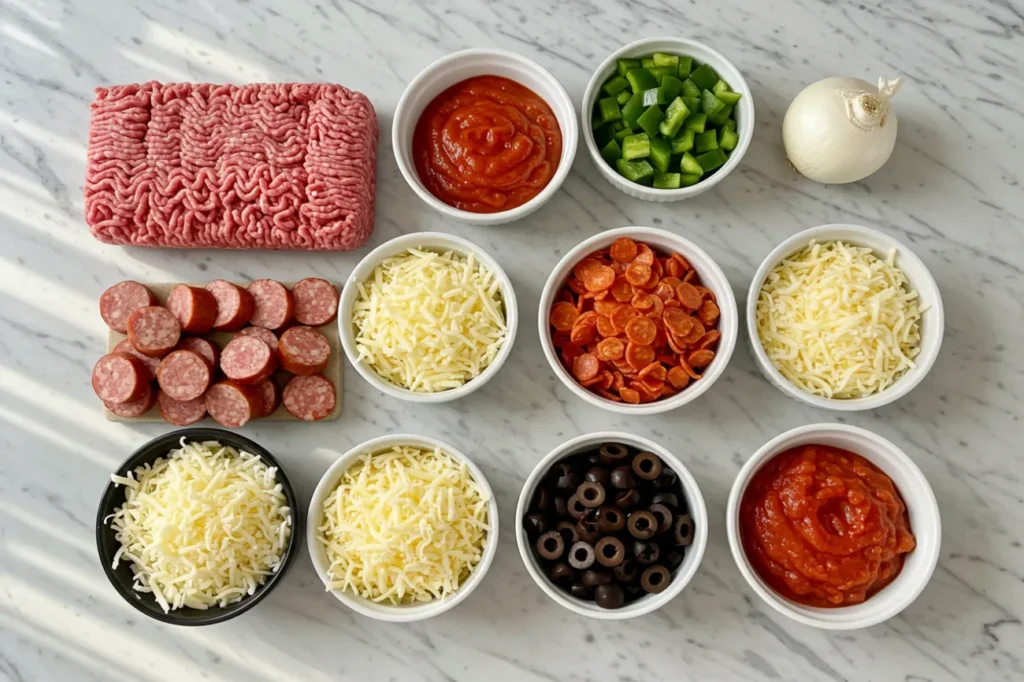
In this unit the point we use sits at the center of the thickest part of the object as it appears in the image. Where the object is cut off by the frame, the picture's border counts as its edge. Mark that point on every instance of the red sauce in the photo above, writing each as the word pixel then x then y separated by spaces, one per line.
pixel 487 144
pixel 824 526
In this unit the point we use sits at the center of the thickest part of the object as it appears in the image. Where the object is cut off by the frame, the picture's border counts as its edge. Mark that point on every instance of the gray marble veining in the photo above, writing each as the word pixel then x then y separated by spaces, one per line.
pixel 951 190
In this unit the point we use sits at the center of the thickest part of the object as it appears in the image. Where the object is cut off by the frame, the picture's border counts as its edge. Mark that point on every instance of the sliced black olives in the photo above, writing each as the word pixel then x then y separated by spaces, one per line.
pixel 609 525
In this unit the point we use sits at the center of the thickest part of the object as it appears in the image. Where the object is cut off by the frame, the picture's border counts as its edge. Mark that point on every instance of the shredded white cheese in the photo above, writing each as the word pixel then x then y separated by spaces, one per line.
pixel 203 526
pixel 838 321
pixel 429 321
pixel 405 525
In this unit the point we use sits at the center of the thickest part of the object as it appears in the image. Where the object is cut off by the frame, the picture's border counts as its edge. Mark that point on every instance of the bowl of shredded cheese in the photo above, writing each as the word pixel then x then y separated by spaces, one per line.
pixel 197 526
pixel 428 317
pixel 402 528
pixel 844 317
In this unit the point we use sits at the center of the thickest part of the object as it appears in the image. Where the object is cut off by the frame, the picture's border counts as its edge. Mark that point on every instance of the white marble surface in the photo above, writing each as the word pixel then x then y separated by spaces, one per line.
pixel 952 191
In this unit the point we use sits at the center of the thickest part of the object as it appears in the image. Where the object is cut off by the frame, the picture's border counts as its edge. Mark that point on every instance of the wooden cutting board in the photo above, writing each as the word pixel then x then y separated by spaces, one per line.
pixel 333 372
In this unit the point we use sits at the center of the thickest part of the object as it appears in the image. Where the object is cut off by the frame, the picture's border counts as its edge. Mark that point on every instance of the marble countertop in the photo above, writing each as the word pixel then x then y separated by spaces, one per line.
pixel 951 191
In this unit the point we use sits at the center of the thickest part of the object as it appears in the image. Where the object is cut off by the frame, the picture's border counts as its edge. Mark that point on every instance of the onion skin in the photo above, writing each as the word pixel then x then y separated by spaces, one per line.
pixel 826 142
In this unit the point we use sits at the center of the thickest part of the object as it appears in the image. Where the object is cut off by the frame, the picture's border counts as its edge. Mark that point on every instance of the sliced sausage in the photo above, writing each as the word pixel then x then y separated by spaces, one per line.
pixel 303 350
pixel 232 404
pixel 195 308
pixel 234 305
pixel 208 351
pixel 135 408
pixel 247 360
pixel 119 378
pixel 263 334
pixel 121 300
pixel 270 394
pixel 180 412
pixel 184 375
pixel 316 301
pixel 153 331
pixel 273 303
pixel 309 397
pixel 150 363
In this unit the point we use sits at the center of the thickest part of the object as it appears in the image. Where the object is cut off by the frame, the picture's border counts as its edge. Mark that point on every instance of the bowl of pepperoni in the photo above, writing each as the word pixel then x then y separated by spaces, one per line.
pixel 638 320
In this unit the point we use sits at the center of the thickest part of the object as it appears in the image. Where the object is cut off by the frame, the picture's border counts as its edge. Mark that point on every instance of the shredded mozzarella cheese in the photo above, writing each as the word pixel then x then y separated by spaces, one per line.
pixel 405 525
pixel 838 321
pixel 429 321
pixel 203 526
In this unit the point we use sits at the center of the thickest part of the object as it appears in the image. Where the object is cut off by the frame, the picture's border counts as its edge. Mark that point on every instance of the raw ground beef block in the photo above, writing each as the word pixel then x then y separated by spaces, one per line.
pixel 262 166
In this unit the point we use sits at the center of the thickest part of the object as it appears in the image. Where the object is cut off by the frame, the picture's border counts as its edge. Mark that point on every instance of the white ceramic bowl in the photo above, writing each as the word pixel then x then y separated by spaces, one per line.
pixel 680 577
pixel 701 53
pixel 457 67
pixel 921 506
pixel 434 241
pixel 711 276
pixel 385 611
pixel 920 278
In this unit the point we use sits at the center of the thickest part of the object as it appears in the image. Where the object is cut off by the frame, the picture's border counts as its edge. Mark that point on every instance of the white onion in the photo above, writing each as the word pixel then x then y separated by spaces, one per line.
pixel 841 129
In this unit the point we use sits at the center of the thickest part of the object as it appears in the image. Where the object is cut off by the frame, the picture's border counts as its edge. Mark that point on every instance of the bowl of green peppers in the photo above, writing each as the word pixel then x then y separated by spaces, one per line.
pixel 667 118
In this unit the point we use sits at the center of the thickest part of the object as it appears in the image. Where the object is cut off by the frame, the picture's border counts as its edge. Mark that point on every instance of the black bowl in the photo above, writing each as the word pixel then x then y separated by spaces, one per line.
pixel 122 578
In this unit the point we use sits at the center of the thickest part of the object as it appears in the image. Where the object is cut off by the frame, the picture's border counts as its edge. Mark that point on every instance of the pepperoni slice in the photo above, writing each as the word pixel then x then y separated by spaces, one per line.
pixel 708 312
pixel 134 408
pixel 153 331
pixel 652 281
pixel 678 378
pixel 584 267
pixel 600 278
pixel 695 333
pixel 622 290
pixel 586 367
pixel 563 315
pixel 606 307
pixel 638 274
pixel 576 286
pixel 121 300
pixel 644 255
pixel 605 327
pixel 687 368
pixel 623 250
pixel 618 382
pixel 621 317
pixel 629 395
pixel 639 356
pixel 119 378
pixel 611 348
pixel 677 321
pixel 641 330
pixel 180 413
pixel 673 268
pixel 609 396
pixel 570 352
pixel 701 358
pixel 706 293
pixel 273 304
pixel 682 261
pixel 708 340
pixel 677 344
pixel 583 332
pixel 659 307
pixel 655 370
pixel 665 291
pixel 183 375
pixel 642 301
pixel 690 276
pixel 316 302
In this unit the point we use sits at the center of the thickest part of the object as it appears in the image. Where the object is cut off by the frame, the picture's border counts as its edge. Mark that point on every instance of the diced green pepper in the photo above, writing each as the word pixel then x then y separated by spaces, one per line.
pixel 636 147
pixel 647 63
pixel 617 125
pixel 693 104
pixel 659 73
pixel 614 86
pixel 640 80
pixel 632 109
pixel 623 97
pixel 650 119
pixel 683 142
pixel 710 104
pixel 667 180
pixel 690 89
pixel 611 152
pixel 720 86
pixel 674 117
pixel 651 96
pixel 669 89
pixel 685 66
pixel 661 153
pixel 706 141
pixel 729 138
pixel 664 59
pixel 689 166
pixel 609 109
pixel 603 134
pixel 688 180
pixel 729 97
pixel 721 117
pixel 696 123
pixel 635 171
pixel 709 161
pixel 621 135
pixel 704 77
pixel 622 66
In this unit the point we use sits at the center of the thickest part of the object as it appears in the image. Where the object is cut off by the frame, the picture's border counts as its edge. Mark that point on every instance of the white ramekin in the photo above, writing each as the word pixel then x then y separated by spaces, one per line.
pixel 436 241
pixel 682 575
pixel 711 276
pixel 921 506
pixel 701 53
pixel 457 67
pixel 385 611
pixel 921 280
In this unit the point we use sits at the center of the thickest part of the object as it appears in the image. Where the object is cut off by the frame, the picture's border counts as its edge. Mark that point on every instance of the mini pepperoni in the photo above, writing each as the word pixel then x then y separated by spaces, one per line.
pixel 708 312
pixel 677 344
pixel 658 267
pixel 618 382
pixel 270 395
pixel 605 327
pixel 563 315
pixel 576 286
pixel 667 391
pixel 570 352
pixel 677 321
pixel 644 255
pixel 672 282
pixel 623 250
pixel 247 360
pixel 701 358
pixel 674 269
pixel 658 309
pixel 596 295
pixel 150 363
pixel 583 332
pixel 664 291
pixel 622 290
pixel 119 378
pixel 609 396
pixel 600 278
pixel 586 367
pixel 639 356
pixel 695 333
pixel 134 408
pixel 630 395
pixel 584 267
pixel 303 350
pixel 121 300
pixel 638 273
pixel 316 302
pixel 623 315
pixel 606 380
pixel 690 276
pixel 263 334
pixel 708 340
pixel 611 348
pixel 660 338
pixel 559 339
pixel 706 293
pixel 591 382
pixel 153 331
pixel 606 307
pixel 565 296
pixel 234 305
pixel 642 301
pixel 184 375
pixel 655 370
pixel 678 377
pixel 195 308
pixel 641 330
pixel 682 261
pixel 652 282
pixel 178 412
pixel 273 304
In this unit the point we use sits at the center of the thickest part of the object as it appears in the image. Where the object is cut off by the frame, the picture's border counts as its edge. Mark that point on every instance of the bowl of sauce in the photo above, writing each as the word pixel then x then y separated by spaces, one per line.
pixel 834 526
pixel 485 136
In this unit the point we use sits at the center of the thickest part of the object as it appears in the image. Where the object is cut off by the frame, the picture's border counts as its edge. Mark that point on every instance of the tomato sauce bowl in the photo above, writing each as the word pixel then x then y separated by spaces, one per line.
pixel 921 508
pixel 531 82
